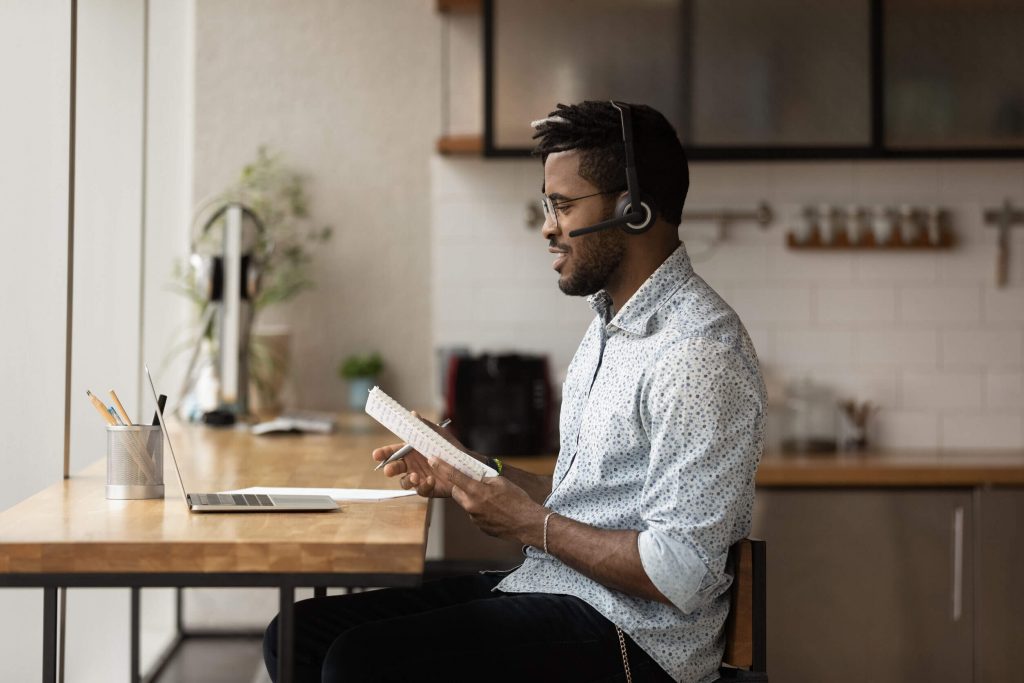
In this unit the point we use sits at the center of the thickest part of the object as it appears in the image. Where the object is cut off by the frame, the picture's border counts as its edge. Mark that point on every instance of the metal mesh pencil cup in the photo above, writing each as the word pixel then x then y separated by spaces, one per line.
pixel 135 462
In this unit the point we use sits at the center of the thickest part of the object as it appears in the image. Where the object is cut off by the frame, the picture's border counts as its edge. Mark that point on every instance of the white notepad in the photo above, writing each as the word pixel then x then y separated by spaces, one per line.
pixel 408 427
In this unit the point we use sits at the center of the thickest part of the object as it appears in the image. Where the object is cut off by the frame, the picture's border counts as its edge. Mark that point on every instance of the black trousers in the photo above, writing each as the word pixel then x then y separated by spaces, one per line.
pixel 456 630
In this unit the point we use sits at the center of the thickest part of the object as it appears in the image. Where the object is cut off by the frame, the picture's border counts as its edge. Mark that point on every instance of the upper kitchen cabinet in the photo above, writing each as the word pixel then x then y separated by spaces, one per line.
pixel 543 52
pixel 954 74
pixel 782 73
pixel 775 79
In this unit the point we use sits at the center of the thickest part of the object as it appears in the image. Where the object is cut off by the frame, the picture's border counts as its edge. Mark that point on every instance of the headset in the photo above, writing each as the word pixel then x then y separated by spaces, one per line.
pixel 208 269
pixel 633 221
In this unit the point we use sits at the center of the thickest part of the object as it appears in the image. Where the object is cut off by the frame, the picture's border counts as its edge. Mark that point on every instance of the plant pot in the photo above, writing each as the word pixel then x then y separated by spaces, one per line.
pixel 268 368
pixel 358 390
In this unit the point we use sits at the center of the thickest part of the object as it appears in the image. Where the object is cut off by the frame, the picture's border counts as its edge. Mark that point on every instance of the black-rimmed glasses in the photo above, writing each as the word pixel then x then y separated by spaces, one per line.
pixel 552 207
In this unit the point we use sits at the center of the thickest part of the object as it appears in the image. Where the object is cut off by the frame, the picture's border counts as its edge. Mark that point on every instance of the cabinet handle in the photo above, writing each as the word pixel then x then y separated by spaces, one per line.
pixel 958 562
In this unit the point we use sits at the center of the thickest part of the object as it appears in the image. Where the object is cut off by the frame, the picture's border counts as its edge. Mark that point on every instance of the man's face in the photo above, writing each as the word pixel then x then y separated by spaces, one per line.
pixel 584 263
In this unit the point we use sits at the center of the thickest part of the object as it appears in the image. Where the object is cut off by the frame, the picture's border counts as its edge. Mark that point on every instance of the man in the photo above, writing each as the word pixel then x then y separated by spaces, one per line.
pixel 661 431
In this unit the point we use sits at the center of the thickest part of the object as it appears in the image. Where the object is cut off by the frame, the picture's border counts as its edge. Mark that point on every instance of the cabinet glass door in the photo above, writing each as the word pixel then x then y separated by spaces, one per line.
pixel 568 51
pixel 954 74
pixel 783 73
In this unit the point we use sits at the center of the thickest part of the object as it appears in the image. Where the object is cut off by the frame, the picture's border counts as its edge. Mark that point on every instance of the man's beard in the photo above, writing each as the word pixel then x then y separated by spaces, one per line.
pixel 595 261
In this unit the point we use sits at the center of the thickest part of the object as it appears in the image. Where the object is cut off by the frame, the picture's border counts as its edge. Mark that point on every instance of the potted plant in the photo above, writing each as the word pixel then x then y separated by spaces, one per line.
pixel 360 371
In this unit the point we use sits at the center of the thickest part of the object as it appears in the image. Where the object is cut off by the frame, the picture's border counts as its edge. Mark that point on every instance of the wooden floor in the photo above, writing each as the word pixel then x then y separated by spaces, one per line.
pixel 217 661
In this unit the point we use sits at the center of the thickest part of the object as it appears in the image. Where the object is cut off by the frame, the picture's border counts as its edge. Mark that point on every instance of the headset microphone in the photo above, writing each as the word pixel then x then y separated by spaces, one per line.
pixel 632 221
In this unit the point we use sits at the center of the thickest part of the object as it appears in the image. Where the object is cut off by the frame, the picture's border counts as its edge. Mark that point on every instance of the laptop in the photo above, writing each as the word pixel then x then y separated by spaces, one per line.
pixel 239 502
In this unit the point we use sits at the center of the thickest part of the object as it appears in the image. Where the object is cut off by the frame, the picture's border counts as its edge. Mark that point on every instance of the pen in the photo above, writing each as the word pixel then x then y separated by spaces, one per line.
pixel 404 450
pixel 117 418
pixel 120 408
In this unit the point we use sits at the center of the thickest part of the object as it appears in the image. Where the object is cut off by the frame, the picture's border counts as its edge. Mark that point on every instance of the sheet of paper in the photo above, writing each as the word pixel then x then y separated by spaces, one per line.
pixel 336 494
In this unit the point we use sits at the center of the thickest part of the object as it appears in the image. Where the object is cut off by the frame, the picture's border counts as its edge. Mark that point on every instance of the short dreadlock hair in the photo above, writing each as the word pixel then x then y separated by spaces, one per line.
pixel 595 129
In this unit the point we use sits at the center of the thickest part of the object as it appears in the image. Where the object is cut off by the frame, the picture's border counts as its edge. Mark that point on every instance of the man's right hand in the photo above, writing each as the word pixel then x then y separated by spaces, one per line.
pixel 414 469
pixel 415 472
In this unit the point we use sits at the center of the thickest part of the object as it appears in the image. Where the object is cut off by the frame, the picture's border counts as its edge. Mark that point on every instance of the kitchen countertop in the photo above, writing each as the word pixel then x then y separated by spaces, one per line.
pixel 887 468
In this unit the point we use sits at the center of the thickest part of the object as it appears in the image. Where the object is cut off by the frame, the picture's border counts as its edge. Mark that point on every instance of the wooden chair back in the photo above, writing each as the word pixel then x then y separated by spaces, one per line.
pixel 745 628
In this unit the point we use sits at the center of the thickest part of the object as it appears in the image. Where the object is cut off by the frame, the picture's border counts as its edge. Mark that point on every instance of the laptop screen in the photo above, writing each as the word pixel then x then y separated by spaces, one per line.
pixel 163 428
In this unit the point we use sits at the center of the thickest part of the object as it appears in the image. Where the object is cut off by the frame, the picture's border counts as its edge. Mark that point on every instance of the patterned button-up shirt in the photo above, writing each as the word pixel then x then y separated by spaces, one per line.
pixel 661 431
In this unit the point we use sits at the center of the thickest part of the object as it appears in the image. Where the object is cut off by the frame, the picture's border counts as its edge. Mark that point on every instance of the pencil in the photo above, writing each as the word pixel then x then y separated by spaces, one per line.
pixel 100 408
pixel 136 450
pixel 120 408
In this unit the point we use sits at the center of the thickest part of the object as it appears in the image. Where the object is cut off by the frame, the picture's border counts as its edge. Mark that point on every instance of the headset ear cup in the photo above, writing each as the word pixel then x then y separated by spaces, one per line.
pixel 623 207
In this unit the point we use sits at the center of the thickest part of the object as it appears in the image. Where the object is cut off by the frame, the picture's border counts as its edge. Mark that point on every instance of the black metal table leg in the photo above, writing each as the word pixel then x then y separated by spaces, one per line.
pixel 320 591
pixel 136 670
pixel 286 636
pixel 50 634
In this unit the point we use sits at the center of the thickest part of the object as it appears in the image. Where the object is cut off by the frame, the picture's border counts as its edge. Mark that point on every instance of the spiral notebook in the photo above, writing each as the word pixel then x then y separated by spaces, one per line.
pixel 410 429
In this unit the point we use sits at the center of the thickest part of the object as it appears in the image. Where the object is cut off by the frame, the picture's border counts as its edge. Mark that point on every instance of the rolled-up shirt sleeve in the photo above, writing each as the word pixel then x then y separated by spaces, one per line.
pixel 704 415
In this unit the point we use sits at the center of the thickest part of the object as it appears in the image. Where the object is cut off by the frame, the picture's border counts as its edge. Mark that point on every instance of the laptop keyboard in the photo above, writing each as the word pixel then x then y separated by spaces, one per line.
pixel 240 499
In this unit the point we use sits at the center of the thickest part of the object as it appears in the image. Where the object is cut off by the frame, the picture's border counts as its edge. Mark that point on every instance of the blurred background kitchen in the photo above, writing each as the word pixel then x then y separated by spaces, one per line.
pixel 856 194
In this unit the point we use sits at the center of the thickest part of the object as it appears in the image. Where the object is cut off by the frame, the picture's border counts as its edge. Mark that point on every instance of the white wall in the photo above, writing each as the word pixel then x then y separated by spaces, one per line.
pixel 925 335
pixel 108 273
pixel 349 93
pixel 34 58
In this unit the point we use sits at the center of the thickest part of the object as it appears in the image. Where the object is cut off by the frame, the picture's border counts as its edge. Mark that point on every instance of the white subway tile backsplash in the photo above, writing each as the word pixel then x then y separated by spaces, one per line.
pixel 459 304
pixel 810 267
pixel 925 335
pixel 982 431
pixel 942 391
pixel 1004 391
pixel 982 348
pixel 880 267
pixel 981 181
pixel 732 264
pixel 880 387
pixel 896 183
pixel 971 262
pixel 898 347
pixel 772 304
pixel 814 183
pixel 714 183
pixel 906 429
pixel 940 304
pixel 809 346
pixel 478 179
pixel 855 305
pixel 1005 305
pixel 537 304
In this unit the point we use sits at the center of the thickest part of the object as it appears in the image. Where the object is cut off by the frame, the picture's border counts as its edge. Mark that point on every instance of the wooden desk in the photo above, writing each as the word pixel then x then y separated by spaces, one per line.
pixel 70 535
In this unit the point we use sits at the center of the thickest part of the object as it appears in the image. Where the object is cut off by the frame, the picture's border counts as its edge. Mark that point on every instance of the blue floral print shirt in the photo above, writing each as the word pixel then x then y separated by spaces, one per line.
pixel 661 431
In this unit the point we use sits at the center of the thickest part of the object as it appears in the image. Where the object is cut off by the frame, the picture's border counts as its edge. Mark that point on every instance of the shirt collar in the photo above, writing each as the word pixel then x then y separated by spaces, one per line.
pixel 634 317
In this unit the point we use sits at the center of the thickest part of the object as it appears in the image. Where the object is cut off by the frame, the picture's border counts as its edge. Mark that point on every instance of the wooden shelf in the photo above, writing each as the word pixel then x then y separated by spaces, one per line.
pixel 461 144
pixel 868 243
pixel 460 6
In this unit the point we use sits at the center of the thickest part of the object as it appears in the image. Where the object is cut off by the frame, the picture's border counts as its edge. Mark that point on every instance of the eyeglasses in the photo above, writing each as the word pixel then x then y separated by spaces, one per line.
pixel 552 208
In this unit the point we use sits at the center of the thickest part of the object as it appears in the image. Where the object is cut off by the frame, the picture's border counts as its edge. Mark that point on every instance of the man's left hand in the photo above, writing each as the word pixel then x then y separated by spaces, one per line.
pixel 496 505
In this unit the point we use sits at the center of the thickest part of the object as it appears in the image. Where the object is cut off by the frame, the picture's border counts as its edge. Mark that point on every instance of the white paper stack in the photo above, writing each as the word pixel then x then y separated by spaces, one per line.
pixel 410 429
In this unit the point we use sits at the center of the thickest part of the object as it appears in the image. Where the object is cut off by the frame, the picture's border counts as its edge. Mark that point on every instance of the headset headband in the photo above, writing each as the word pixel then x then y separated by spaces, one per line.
pixel 636 213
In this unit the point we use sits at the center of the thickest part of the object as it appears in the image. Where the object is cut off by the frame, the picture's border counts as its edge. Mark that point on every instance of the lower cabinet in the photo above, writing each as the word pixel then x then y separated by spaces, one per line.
pixel 999 585
pixel 869 585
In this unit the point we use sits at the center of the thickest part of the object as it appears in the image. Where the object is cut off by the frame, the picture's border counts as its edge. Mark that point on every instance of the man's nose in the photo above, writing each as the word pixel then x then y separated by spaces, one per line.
pixel 550 228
